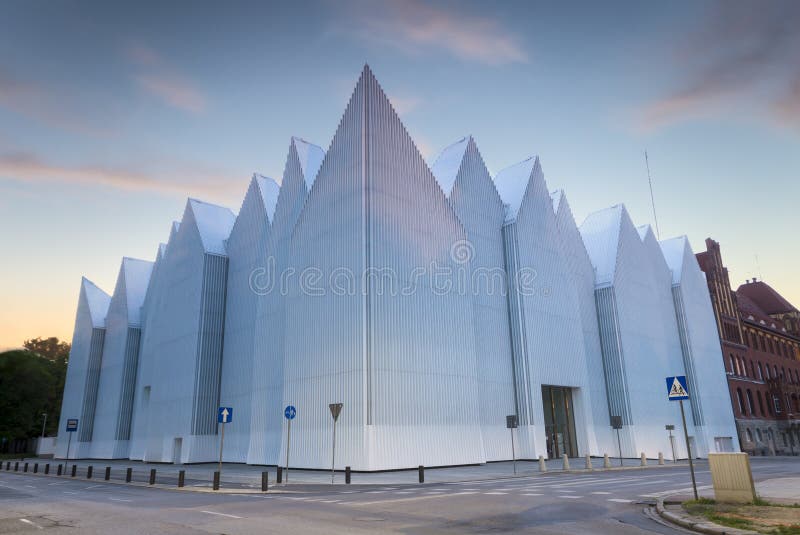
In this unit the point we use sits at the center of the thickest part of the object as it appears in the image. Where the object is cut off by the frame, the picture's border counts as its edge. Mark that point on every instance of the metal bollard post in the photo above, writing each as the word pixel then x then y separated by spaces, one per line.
pixel 74 470
pixel 25 468
pixel 59 470
pixel 660 458
pixel 588 462
pixel 47 469
pixel 565 462
pixel 606 461
pixel 216 481
pixel 182 478
pixel 347 475
pixel 280 475
pixel 16 466
pixel 128 475
pixel 264 481
pixel 644 459
pixel 89 472
pixel 8 466
pixel 35 468
pixel 152 476
pixel 108 473
pixel 542 464
pixel 421 474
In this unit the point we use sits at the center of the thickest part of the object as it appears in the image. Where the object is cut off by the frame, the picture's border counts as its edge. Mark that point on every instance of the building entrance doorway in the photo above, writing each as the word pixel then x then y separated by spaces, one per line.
pixel 559 421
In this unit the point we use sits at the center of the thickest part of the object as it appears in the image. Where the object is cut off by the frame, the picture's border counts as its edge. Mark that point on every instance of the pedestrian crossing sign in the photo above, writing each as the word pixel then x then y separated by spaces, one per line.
pixel 676 388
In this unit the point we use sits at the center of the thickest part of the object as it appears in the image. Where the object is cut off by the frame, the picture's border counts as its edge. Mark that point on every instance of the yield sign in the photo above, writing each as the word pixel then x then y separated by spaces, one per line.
pixel 335 408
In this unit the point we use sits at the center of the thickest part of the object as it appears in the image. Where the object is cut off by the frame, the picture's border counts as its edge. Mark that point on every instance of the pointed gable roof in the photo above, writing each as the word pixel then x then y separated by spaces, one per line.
pixel 214 224
pixel 512 183
pixel 137 277
pixel 600 232
pixel 97 302
pixel 448 163
pixel 765 297
pixel 310 157
pixel 674 251
pixel 556 197
pixel 269 190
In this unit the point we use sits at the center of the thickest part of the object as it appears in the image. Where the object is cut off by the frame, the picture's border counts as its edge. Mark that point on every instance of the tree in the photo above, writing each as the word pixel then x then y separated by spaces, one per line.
pixel 50 348
pixel 30 385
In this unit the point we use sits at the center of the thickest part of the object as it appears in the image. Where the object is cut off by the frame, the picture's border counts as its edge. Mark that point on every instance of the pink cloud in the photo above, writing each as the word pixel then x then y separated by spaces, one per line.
pixel 162 80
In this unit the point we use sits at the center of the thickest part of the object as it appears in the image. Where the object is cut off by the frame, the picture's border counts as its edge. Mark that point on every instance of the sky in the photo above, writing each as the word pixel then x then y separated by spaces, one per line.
pixel 112 113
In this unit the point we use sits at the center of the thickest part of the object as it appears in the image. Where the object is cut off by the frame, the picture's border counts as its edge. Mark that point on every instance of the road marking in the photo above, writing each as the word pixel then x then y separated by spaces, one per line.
pixel 119 499
pixel 330 501
pixel 600 492
pixel 31 523
pixel 30 486
pixel 620 500
pixel 495 493
pixel 95 487
pixel 69 492
pixel 530 494
pixel 571 497
pixel 220 514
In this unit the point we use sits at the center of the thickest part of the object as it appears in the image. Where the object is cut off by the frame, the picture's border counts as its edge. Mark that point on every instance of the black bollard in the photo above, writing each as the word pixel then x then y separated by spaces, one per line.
pixel 181 478
pixel 215 485
pixel 89 472
pixel 129 475
pixel 152 476
pixel 264 481
pixel 74 470
pixel 280 475
pixel 347 475
pixel 108 473
pixel 47 469
pixel 59 470
pixel 35 468
pixel 25 468
pixel 8 466
pixel 16 466
pixel 421 474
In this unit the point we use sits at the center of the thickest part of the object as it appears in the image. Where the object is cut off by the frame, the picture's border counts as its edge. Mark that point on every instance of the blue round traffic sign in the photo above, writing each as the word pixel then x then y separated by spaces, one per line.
pixel 290 412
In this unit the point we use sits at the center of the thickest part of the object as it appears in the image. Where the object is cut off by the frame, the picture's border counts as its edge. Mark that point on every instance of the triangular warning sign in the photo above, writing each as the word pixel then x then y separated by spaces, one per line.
pixel 677 388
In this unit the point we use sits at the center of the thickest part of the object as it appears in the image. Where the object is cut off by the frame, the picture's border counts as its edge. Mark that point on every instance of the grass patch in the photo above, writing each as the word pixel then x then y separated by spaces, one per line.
pixel 760 516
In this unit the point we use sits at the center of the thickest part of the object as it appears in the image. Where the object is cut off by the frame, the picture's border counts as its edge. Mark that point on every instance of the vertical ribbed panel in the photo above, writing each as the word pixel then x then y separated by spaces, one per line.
pixel 688 358
pixel 613 358
pixel 209 345
pixel 130 367
pixel 86 426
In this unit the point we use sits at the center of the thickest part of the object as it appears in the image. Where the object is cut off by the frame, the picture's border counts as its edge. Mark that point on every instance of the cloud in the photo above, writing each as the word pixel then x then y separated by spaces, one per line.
pixel 744 54
pixel 30 168
pixel 161 79
pixel 42 103
pixel 413 26
pixel 404 104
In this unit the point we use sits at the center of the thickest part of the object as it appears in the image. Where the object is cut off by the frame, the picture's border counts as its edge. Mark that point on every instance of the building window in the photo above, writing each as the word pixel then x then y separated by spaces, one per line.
pixel 733 368
pixel 739 399
pixel 760 372
pixel 749 435
pixel 777 402
pixel 759 435
pixel 775 371
pixel 763 345
pixel 760 403
pixel 771 347
pixel 750 402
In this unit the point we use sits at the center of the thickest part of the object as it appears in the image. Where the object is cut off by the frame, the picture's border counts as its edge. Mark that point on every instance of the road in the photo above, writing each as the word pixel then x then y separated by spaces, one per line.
pixel 592 502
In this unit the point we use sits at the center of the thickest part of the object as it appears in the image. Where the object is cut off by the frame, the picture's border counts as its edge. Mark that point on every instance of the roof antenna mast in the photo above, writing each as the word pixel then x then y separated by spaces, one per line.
pixel 652 199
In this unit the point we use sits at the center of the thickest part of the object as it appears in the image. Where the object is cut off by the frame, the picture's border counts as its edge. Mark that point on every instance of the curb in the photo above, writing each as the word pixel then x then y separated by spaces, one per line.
pixel 701 526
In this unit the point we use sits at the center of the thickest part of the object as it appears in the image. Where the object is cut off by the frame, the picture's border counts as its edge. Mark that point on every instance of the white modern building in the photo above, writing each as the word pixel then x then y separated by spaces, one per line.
pixel 431 301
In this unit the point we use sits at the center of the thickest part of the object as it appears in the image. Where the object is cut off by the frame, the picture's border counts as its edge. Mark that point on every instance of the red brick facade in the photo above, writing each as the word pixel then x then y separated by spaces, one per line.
pixel 760 338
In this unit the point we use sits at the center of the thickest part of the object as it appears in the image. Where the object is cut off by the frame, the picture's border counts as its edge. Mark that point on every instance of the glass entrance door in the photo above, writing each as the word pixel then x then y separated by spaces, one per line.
pixel 559 421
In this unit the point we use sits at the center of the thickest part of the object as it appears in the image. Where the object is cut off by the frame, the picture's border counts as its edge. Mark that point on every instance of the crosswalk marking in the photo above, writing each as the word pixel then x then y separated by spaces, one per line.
pixel 620 500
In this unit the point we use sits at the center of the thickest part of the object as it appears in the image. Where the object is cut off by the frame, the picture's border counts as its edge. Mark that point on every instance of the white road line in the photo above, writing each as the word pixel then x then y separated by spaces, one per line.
pixel 220 514
pixel 30 486
pixel 600 492
pixel 95 487
pixel 495 493
pixel 620 500
pixel 571 497
pixel 529 494
pixel 119 499
pixel 31 523
pixel 69 492
pixel 330 501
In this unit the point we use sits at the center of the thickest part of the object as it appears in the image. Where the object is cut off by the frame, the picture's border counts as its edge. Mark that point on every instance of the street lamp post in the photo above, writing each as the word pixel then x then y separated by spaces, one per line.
pixel 44 424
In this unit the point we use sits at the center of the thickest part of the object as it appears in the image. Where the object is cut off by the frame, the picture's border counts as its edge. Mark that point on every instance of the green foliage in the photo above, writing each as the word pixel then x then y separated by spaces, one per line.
pixel 50 348
pixel 30 385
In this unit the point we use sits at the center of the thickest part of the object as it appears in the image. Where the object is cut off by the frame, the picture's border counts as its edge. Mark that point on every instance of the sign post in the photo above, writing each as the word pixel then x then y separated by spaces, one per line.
pixel 72 426
pixel 512 423
pixel 335 408
pixel 678 391
pixel 671 428
pixel 224 415
pixel 290 412
pixel 616 423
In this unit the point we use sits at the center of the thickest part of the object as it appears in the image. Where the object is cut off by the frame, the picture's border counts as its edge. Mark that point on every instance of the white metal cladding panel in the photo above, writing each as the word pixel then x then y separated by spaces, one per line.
pixel 582 273
pixel 553 323
pixel 711 386
pixel 649 337
pixel 209 345
pixel 86 428
pixel 519 345
pixel 244 247
pixel 268 355
pixel 423 384
pixel 479 208
pixel 75 383
pixel 128 383
pixel 111 371
pixel 324 351
pixel 171 345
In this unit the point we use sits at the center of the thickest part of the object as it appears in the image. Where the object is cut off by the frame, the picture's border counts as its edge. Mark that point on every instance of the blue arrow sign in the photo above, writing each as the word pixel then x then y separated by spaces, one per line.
pixel 676 388
pixel 72 425
pixel 225 415
pixel 290 412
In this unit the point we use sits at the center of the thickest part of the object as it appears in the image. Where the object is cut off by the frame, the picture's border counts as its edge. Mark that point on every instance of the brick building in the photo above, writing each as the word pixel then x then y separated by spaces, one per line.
pixel 759 332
